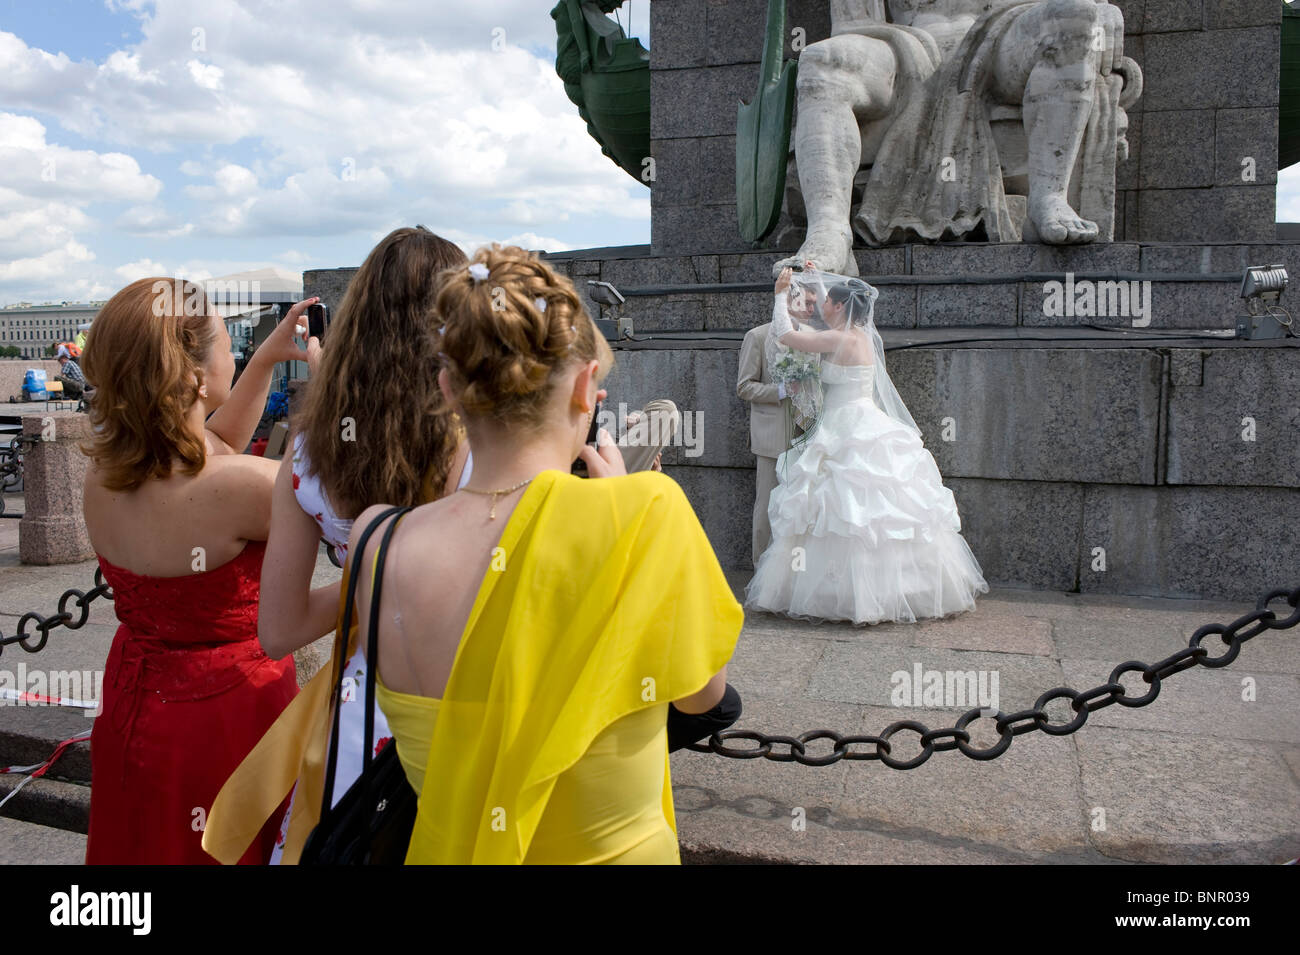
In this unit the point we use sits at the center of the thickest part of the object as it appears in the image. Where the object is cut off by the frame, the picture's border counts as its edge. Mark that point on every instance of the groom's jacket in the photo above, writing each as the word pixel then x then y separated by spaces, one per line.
pixel 770 427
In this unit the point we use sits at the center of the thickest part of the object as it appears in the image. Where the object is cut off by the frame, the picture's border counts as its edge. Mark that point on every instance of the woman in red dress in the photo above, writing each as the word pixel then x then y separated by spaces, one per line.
pixel 178 518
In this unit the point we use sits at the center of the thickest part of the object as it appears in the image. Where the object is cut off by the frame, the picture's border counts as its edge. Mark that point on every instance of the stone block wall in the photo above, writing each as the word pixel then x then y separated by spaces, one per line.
pixel 1056 456
pixel 1193 285
pixel 1206 123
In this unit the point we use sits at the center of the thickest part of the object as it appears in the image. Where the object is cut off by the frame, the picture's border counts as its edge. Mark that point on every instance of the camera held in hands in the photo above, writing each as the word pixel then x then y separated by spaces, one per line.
pixel 580 466
pixel 318 319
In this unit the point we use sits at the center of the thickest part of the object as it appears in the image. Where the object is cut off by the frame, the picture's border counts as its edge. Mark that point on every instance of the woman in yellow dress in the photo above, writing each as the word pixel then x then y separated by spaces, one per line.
pixel 534 626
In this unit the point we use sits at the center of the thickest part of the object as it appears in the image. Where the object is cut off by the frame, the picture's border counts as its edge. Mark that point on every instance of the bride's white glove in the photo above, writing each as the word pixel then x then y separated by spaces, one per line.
pixel 781 322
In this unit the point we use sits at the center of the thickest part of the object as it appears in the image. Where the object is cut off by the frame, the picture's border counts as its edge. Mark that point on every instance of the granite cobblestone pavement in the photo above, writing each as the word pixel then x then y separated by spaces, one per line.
pixel 1208 773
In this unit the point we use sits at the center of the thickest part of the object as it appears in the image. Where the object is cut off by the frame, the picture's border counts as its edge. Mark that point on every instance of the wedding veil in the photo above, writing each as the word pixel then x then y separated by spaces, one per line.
pixel 839 303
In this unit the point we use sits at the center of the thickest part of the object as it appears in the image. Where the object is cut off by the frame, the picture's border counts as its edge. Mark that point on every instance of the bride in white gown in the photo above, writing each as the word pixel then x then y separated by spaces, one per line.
pixel 862 527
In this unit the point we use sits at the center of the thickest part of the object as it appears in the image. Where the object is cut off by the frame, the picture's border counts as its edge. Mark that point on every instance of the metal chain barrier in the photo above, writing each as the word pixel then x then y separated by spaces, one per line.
pixel 787 749
pixel 62 618
pixel 11 464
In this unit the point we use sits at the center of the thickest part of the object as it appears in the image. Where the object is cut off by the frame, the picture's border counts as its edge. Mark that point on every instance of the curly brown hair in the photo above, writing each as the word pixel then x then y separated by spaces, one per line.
pixel 503 349
pixel 380 370
pixel 144 357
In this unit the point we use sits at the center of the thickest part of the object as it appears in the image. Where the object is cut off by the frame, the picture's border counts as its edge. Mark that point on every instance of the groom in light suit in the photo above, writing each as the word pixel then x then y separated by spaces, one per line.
pixel 770 427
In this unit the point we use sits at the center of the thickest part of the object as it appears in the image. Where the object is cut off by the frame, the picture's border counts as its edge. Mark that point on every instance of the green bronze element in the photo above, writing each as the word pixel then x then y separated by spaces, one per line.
pixel 1288 118
pixel 607 76
pixel 763 135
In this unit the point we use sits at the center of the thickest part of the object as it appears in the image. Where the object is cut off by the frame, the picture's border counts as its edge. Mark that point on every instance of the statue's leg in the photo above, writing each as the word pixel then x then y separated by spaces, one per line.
pixel 843 82
pixel 1047 62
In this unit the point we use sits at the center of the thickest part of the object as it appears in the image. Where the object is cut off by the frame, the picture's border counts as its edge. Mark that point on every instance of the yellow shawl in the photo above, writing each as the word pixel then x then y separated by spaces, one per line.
pixel 639 612
pixel 605 597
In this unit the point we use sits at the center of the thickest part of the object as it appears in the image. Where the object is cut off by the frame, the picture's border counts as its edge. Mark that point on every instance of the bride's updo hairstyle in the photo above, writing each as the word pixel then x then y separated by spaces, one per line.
pixel 857 297
pixel 510 327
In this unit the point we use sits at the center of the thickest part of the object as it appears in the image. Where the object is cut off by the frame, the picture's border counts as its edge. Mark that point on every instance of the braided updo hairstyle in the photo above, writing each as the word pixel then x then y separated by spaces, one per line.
pixel 507 336
pixel 857 297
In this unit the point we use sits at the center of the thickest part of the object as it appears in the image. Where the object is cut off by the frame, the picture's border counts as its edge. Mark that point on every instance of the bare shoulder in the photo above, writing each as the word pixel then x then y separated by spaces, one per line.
pixel 236 467
pixel 240 478
pixel 364 520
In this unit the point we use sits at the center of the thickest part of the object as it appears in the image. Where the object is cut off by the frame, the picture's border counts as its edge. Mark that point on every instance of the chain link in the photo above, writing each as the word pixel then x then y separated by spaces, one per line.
pixel 1011 725
pixel 64 617
pixel 11 464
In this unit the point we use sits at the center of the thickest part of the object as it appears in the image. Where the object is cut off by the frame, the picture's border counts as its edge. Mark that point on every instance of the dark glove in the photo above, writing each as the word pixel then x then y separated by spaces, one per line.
pixel 687 728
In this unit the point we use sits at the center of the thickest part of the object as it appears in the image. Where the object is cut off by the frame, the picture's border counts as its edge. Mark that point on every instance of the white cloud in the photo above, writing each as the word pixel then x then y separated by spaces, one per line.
pixel 139 270
pixel 35 167
pixel 391 114
pixel 45 192
pixel 205 75
pixel 153 221
pixel 52 264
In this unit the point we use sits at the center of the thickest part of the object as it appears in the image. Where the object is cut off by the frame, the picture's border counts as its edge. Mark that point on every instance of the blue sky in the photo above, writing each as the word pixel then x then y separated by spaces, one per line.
pixel 203 137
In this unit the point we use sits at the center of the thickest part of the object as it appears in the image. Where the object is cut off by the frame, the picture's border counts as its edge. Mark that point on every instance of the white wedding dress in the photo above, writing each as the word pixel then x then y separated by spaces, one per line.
pixel 862 527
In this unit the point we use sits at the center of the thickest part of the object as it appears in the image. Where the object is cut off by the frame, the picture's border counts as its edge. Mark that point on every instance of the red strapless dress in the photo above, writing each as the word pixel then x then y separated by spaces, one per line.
pixel 187 693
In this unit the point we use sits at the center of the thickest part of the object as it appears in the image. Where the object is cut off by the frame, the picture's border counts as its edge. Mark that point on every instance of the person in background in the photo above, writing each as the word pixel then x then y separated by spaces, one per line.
pixel 536 627
pixel 771 427
pixel 374 426
pixel 178 518
pixel 74 382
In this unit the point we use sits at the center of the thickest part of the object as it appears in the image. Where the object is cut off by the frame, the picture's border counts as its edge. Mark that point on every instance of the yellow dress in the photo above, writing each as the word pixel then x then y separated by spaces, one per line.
pixel 606 809
pixel 549 742
pixel 640 614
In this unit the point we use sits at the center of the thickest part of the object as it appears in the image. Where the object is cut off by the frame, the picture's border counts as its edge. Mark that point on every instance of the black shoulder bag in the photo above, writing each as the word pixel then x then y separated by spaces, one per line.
pixel 372 823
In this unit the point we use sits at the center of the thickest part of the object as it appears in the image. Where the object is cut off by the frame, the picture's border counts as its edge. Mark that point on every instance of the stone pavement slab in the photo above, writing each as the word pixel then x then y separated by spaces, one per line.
pixel 1175 798
pixel 861 673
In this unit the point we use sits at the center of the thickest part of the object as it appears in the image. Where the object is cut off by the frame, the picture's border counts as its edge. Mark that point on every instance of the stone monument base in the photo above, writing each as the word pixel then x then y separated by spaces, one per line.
pixel 1151 455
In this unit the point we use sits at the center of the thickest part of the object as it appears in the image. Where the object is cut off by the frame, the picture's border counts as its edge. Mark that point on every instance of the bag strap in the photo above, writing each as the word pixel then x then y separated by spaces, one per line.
pixel 372 674
pixel 349 604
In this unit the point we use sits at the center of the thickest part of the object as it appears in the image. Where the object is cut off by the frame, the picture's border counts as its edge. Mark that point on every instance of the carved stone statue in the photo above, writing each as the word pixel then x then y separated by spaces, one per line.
pixel 994 119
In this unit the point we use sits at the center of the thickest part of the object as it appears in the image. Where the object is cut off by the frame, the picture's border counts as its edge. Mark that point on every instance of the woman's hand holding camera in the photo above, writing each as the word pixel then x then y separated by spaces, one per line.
pixel 280 345
pixel 604 460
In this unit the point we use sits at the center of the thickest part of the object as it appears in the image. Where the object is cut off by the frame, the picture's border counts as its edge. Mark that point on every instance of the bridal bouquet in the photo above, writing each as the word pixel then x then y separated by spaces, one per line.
pixel 805 368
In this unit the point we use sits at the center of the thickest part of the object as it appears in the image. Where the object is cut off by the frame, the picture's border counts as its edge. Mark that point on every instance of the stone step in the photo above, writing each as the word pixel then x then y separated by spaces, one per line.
pixel 30 734
pixel 29 843
pixel 58 803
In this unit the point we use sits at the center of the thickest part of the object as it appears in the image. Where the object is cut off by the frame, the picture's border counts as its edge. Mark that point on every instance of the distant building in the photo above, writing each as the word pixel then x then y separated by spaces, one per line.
pixel 32 329
pixel 250 302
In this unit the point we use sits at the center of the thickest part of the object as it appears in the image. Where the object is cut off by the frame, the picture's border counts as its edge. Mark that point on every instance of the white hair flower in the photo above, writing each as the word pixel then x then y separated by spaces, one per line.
pixel 479 271
pixel 540 303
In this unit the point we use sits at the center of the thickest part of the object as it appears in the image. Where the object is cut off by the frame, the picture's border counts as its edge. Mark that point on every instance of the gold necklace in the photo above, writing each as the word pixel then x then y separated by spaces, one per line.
pixel 492 514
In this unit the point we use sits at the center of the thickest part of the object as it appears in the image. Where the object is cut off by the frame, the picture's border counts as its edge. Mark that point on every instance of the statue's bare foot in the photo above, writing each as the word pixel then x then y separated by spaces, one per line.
pixel 830 250
pixel 1055 223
